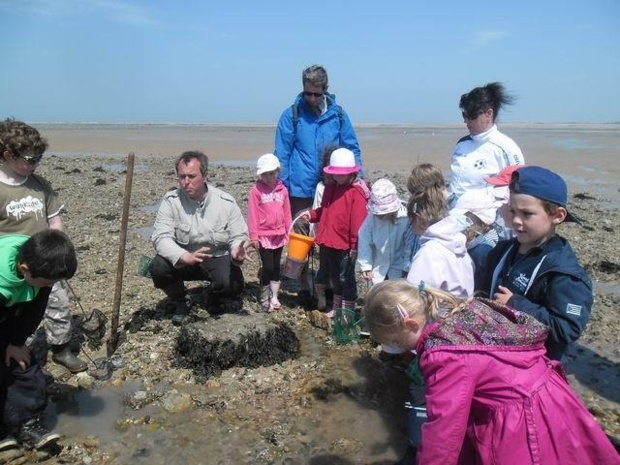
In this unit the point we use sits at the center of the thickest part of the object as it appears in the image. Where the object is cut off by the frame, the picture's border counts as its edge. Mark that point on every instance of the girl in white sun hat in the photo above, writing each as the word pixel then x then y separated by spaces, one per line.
pixel 342 212
pixel 480 208
pixel 269 219
pixel 386 238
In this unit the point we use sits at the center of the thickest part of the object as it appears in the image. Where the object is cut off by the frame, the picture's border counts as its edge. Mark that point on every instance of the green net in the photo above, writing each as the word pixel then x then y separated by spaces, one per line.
pixel 346 325
pixel 144 266
pixel 414 373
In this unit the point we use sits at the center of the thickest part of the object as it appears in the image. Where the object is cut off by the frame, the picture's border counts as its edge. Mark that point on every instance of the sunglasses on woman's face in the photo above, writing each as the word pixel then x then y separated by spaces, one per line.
pixel 471 115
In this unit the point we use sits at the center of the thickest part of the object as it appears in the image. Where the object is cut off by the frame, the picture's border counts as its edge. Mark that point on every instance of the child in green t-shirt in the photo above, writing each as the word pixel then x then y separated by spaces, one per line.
pixel 29 267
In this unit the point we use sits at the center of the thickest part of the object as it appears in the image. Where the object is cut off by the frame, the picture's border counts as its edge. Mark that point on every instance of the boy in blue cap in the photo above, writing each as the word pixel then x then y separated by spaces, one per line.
pixel 537 271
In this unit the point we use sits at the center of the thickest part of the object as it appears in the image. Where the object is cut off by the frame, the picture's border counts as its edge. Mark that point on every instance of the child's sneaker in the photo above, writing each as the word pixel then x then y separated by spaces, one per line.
pixel 34 434
pixel 8 442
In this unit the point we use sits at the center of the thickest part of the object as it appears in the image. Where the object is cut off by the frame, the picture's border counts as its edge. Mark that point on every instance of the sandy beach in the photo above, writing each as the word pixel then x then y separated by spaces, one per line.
pixel 333 403
pixel 587 152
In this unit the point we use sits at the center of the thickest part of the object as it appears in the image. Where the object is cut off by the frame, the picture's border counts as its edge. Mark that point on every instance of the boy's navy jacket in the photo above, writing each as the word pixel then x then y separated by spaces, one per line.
pixel 547 283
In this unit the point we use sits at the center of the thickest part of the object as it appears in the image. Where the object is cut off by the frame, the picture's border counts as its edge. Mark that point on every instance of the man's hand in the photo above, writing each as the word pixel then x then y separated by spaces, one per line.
pixel 502 295
pixel 367 275
pixel 239 252
pixel 198 256
pixel 20 354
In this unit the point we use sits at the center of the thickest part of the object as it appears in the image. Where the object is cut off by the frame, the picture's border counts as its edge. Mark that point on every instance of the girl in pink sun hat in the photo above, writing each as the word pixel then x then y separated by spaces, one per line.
pixel 340 215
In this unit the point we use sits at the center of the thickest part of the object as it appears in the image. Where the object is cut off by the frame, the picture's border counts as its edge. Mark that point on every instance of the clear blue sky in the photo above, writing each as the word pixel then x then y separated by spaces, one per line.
pixel 219 61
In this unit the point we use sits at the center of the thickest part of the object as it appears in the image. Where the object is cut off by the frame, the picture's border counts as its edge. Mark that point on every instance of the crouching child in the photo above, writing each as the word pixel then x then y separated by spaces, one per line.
pixel 29 267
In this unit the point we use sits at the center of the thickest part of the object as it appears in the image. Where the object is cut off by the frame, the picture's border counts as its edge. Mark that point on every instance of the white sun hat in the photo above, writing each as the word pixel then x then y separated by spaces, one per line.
pixel 266 163
pixel 480 203
pixel 341 161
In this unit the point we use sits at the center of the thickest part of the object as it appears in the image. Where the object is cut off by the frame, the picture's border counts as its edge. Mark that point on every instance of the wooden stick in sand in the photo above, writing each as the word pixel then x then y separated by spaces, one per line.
pixel 112 342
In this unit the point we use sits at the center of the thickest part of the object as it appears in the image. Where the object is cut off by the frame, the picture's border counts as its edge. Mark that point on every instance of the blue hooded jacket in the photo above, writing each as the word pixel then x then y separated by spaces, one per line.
pixel 301 151
pixel 547 283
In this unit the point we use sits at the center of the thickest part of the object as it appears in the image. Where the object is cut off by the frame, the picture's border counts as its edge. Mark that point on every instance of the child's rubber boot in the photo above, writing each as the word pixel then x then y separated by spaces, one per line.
pixel 336 305
pixel 320 295
pixel 265 298
pixel 274 303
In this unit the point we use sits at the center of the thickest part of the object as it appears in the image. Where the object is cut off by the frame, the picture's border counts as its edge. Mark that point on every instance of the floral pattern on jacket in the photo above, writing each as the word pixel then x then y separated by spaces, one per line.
pixel 489 323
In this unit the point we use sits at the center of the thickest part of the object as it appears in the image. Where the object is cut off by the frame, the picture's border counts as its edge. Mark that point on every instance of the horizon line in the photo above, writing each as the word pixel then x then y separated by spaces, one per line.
pixel 273 125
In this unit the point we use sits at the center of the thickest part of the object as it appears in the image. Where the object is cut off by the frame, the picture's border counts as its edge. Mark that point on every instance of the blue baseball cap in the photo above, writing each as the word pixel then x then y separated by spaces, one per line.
pixel 543 184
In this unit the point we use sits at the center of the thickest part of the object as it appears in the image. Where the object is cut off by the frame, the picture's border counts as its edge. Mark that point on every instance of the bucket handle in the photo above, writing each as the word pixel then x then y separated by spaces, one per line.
pixel 297 218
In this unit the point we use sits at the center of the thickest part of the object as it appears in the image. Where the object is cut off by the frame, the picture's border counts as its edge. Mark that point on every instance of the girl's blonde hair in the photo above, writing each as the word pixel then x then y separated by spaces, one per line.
pixel 427 202
pixel 383 316
pixel 423 176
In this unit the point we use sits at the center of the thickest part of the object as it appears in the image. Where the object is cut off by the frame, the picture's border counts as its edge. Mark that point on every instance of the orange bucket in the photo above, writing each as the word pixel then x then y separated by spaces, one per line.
pixel 299 246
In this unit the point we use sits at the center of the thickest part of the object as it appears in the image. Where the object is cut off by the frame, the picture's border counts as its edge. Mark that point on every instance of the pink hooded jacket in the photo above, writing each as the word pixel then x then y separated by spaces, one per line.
pixel 269 214
pixel 494 398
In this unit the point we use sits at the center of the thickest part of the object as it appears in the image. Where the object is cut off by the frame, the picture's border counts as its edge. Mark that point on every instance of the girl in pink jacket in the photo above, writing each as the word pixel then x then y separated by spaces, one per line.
pixel 269 220
pixel 492 395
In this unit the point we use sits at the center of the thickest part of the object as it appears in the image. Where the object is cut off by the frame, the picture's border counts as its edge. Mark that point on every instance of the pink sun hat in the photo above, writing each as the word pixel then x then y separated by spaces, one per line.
pixel 341 161
pixel 383 198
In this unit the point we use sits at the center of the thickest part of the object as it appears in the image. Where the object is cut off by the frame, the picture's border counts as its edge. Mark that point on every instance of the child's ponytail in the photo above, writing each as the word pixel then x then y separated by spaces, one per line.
pixel 387 300
pixel 427 201
pixel 439 304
